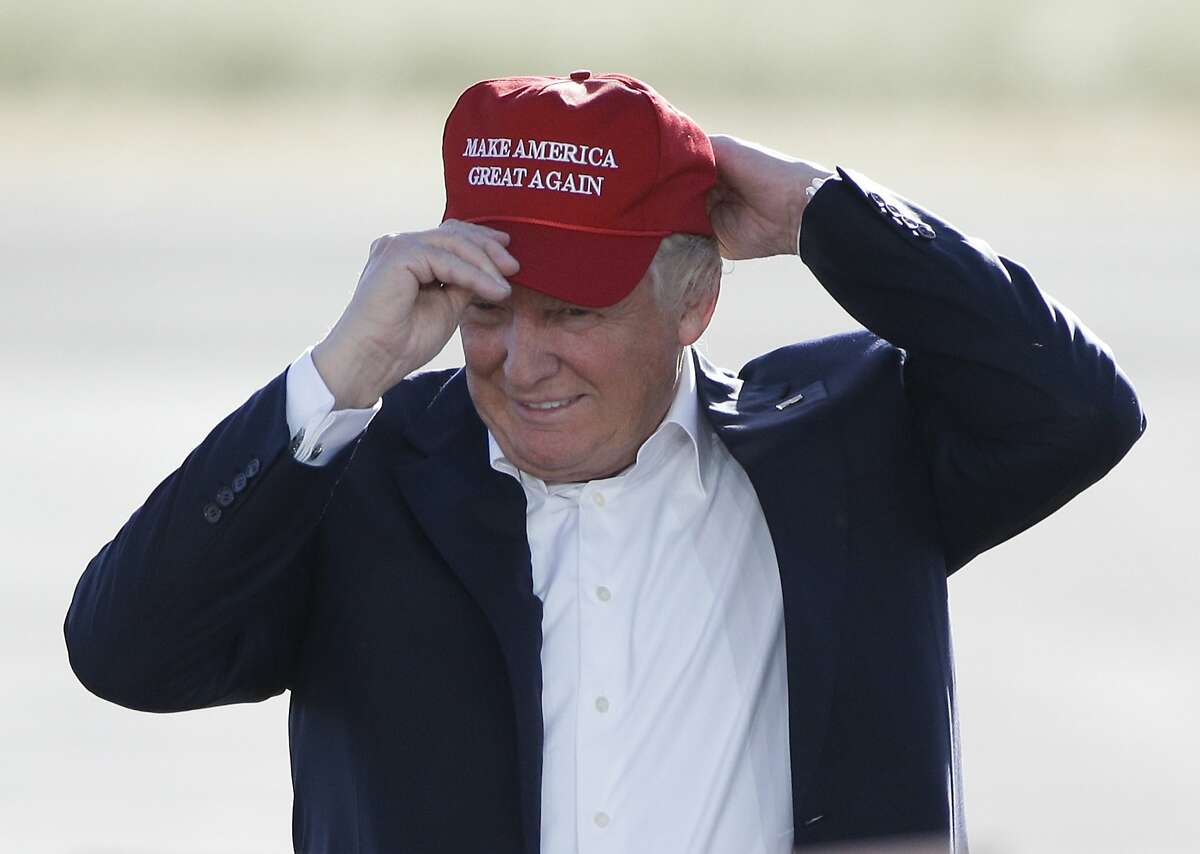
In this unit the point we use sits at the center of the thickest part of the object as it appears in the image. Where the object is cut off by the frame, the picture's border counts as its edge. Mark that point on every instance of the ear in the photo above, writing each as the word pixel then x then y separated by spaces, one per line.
pixel 697 315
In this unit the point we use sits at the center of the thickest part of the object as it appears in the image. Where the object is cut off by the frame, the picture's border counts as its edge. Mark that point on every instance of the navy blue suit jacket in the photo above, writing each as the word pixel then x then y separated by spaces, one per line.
pixel 390 590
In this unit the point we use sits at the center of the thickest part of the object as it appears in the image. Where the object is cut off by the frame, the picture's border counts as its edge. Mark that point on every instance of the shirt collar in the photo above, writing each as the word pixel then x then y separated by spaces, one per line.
pixel 683 414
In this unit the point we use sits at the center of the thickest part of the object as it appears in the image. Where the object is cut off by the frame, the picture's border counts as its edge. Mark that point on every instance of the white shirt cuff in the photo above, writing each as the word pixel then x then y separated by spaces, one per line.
pixel 810 191
pixel 318 431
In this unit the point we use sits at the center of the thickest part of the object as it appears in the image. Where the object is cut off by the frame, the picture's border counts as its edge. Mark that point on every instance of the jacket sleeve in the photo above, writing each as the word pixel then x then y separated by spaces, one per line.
pixel 1019 406
pixel 201 597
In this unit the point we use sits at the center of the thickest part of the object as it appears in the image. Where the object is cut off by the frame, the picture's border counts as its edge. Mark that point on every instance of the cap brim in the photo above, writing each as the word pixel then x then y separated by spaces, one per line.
pixel 582 267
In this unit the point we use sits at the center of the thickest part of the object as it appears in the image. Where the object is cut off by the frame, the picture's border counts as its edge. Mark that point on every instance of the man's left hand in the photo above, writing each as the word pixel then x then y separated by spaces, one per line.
pixel 759 199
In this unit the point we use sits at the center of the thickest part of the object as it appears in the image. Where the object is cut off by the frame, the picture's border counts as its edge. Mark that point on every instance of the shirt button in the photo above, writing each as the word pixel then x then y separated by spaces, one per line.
pixel 598 498
pixel 602 704
pixel 601 819
pixel 603 594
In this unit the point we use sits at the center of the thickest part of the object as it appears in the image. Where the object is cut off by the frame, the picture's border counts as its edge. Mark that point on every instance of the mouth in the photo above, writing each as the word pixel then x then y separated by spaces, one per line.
pixel 542 409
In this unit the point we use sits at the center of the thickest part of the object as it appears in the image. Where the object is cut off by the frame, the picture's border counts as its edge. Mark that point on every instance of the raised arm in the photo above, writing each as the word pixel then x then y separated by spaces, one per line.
pixel 201 597
pixel 1019 405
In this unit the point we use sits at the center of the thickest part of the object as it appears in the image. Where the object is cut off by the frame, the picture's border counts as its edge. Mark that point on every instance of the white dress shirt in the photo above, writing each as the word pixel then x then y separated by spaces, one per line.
pixel 664 697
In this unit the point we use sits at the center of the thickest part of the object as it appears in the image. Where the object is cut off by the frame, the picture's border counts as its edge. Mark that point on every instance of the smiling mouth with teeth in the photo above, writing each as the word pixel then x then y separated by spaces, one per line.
pixel 551 404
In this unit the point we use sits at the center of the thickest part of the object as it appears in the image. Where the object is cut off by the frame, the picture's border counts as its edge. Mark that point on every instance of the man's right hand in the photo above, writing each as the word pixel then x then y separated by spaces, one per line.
pixel 407 304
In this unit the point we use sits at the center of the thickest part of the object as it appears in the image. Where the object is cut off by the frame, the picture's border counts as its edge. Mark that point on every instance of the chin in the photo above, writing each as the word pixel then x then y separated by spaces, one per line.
pixel 552 464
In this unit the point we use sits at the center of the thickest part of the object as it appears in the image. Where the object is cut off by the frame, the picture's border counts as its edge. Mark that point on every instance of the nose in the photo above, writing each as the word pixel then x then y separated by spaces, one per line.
pixel 530 356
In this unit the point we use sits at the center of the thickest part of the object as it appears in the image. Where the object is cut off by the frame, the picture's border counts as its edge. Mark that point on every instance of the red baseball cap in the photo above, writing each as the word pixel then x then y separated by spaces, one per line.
pixel 587 173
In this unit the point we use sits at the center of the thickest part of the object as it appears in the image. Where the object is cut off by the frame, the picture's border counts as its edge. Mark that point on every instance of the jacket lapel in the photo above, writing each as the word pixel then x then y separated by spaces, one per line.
pixel 786 439
pixel 475 518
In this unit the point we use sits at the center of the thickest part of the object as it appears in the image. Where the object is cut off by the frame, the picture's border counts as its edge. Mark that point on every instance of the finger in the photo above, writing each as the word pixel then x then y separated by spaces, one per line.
pixel 723 147
pixel 449 268
pixel 503 259
pixel 493 242
pixel 501 237
pixel 467 248
pixel 497 253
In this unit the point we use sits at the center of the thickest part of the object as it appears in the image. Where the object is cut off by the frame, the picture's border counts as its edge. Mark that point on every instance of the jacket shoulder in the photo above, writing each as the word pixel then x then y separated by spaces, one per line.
pixel 826 358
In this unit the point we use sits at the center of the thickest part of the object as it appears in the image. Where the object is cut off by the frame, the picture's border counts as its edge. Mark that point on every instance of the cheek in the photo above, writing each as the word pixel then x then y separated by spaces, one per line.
pixel 635 385
pixel 483 349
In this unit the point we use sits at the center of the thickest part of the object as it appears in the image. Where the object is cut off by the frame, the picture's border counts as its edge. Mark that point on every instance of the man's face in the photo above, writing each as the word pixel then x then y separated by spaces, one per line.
pixel 569 392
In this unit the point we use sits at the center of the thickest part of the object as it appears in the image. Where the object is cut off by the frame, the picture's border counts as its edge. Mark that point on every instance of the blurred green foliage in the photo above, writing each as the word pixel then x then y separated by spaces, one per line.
pixel 1037 51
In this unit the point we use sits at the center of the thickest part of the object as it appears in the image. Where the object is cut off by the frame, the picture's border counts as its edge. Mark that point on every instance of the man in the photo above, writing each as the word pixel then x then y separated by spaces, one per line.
pixel 592 592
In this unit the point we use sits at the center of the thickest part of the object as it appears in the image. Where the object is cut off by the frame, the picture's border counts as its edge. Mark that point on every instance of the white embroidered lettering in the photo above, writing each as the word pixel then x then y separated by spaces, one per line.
pixel 579 183
pixel 591 185
pixel 496 176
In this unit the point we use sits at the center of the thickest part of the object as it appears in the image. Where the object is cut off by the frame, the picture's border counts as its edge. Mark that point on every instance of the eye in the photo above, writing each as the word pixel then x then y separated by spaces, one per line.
pixel 480 305
pixel 576 312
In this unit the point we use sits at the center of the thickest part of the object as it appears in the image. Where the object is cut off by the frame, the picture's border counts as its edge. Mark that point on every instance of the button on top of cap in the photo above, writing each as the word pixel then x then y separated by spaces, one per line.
pixel 580 76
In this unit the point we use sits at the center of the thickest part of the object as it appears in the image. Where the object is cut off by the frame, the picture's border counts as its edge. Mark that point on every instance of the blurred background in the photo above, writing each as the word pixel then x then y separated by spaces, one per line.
pixel 187 195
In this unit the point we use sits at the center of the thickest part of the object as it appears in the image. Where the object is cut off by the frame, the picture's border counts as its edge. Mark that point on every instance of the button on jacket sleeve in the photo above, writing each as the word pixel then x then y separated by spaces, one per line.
pixel 1018 405
pixel 200 598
